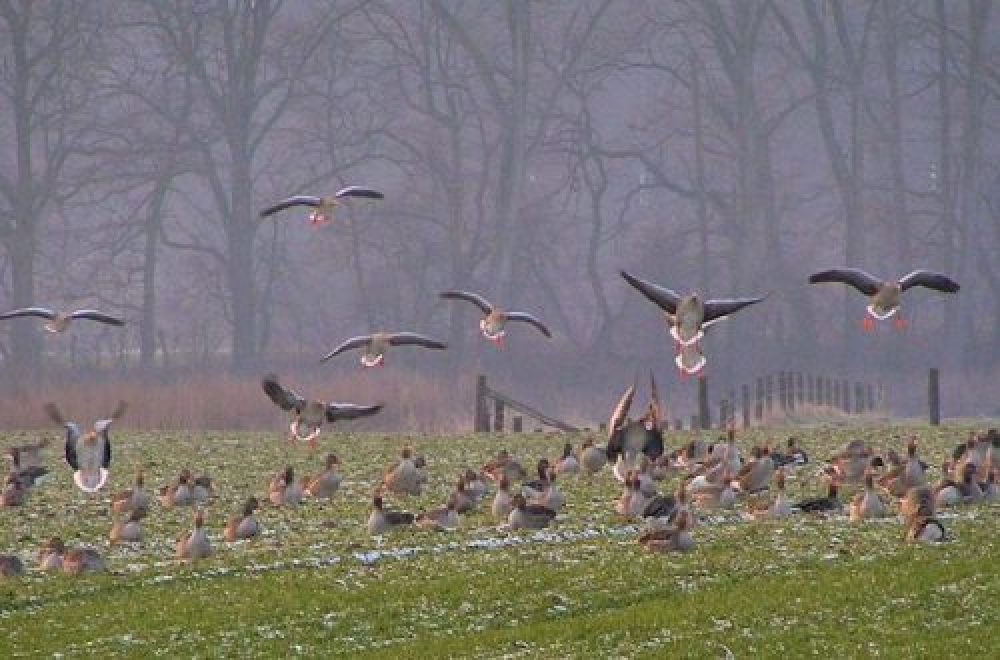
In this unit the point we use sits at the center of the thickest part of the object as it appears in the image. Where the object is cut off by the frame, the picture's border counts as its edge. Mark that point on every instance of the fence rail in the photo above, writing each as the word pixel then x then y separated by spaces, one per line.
pixel 501 401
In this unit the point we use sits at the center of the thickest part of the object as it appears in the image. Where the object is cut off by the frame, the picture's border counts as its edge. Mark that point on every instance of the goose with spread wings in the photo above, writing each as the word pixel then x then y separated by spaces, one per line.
pixel 628 437
pixel 688 317
pixel 493 324
pixel 309 415
pixel 323 206
pixel 56 322
pixel 885 294
pixel 377 345
pixel 88 454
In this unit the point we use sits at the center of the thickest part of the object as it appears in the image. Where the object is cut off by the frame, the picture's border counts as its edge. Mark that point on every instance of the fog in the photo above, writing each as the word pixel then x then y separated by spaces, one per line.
pixel 528 151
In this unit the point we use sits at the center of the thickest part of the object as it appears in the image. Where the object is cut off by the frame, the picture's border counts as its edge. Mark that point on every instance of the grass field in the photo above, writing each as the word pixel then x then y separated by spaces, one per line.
pixel 315 584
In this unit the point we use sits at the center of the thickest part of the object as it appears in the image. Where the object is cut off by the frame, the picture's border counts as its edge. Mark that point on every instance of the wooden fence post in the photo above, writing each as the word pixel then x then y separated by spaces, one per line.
pixel 517 424
pixel 800 390
pixel 704 414
pixel 782 391
pixel 759 400
pixel 723 413
pixel 934 396
pixel 836 394
pixel 695 422
pixel 745 395
pixel 678 424
pixel 481 422
pixel 859 398
pixel 870 397
pixel 769 393
pixel 810 389
pixel 497 415
pixel 828 392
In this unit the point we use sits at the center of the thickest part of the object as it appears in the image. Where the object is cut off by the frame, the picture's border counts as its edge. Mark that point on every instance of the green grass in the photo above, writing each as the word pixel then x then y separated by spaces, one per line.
pixel 310 586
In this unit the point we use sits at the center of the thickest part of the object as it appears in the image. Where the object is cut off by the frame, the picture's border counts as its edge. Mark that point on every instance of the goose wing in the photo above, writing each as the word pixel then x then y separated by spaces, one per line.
pixel 338 411
pixel 663 297
pixel 621 410
pixel 657 405
pixel 38 312
pixel 864 282
pixel 348 345
pixel 413 339
pixel 720 309
pixel 294 200
pixel 95 315
pixel 482 303
pixel 282 397
pixel 930 280
pixel 360 191
pixel 524 317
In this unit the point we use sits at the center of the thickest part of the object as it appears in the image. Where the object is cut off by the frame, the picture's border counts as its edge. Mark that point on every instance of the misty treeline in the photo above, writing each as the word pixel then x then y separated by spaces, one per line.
pixel 527 150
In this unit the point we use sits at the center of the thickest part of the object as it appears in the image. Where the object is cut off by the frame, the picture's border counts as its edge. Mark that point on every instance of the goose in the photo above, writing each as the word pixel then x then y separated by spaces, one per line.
pixel 493 324
pixel 592 458
pixel 665 466
pixel 327 482
pixel 529 516
pixel 717 495
pixel 202 489
pixel 309 415
pixel 534 488
pixel 442 518
pixel 913 470
pixel 885 294
pixel 688 316
pixel 27 463
pixel 504 466
pixel 50 555
pixel 57 322
pixel 404 478
pixel 849 464
pixel 195 545
pixel 692 454
pixel 283 489
pixel 866 504
pixel 660 510
pixel 917 508
pixel 670 539
pixel 632 502
pixel 323 213
pixel 925 530
pixel 88 454
pixel 756 474
pixel 178 493
pixel 381 521
pixel 131 498
pixel 630 437
pixel 14 492
pixel 502 501
pixel 567 463
pixel 128 530
pixel 78 561
pixel 793 456
pixel 244 525
pixel 376 345
pixel 829 504
pixel 644 475
pixel 11 566
pixel 779 508
pixel 950 492
pixel 475 486
pixel 464 502
pixel 550 497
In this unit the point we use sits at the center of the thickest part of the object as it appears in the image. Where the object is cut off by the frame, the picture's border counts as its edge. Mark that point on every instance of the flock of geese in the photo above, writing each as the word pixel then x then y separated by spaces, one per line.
pixel 713 475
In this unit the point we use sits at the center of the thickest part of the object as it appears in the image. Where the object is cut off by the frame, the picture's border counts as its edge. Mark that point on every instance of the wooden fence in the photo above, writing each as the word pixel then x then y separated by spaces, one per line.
pixel 501 401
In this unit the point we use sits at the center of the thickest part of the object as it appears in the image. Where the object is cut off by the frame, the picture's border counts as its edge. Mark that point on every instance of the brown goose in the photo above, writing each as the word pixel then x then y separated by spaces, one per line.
pixel 688 316
pixel 381 521
pixel 14 492
pixel 885 294
pixel 528 516
pixel 327 482
pixel 131 498
pixel 194 545
pixel 323 213
pixel 89 454
pixel 27 462
pixel 670 539
pixel 376 345
pixel 50 555
pixel 82 560
pixel 243 526
pixel 404 477
pixel 494 322
pixel 59 322
pixel 442 518
pixel 128 530
pixel 308 416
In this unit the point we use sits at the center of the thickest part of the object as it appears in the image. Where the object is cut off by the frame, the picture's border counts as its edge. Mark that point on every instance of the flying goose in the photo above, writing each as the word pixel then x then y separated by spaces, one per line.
pixel 492 325
pixel 59 321
pixel 688 316
pixel 627 437
pixel 376 345
pixel 89 454
pixel 885 294
pixel 309 415
pixel 323 213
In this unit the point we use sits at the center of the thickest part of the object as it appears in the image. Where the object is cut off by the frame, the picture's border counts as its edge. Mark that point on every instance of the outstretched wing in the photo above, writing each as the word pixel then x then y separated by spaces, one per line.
pixel 360 191
pixel 338 411
pixel 657 405
pixel 39 312
pixel 282 397
pixel 718 309
pixel 528 318
pixel 413 339
pixel 94 315
pixel 621 410
pixel 864 282
pixel 349 345
pixel 73 434
pixel 665 298
pixel 482 303
pixel 930 280
pixel 295 200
